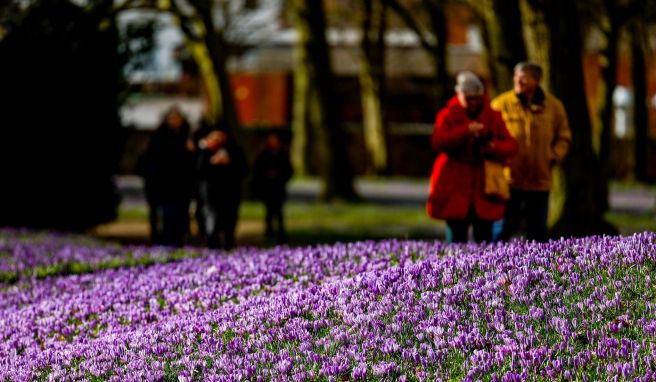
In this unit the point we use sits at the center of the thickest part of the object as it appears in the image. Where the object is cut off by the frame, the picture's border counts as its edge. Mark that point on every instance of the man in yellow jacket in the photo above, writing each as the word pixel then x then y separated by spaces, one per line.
pixel 538 121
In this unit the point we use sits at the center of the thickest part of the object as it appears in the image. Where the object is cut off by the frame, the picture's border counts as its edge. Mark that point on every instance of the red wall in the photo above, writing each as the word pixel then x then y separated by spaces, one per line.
pixel 262 99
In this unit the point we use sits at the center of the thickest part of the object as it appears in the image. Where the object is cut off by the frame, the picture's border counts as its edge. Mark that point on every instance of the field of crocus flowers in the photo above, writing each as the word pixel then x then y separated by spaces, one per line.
pixel 579 309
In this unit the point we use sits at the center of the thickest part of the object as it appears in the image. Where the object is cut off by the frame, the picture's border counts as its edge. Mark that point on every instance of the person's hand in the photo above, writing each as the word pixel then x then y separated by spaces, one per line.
pixel 475 128
pixel 190 145
pixel 221 157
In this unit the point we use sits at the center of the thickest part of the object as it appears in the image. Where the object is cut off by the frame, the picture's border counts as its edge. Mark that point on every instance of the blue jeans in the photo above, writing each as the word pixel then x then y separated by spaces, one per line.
pixel 533 206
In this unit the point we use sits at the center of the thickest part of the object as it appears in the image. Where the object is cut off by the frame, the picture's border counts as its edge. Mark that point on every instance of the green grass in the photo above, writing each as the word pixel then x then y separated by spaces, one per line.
pixel 632 223
pixel 133 213
pixel 352 215
pixel 626 185
pixel 314 222
pixel 309 223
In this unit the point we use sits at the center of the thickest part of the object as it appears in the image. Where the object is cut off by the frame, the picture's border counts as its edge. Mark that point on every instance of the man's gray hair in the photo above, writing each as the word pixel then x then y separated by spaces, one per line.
pixel 531 68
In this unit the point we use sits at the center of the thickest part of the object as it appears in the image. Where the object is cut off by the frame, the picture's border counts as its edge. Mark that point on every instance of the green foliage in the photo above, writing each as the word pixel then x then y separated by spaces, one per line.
pixel 228 335
pixel 171 372
pixel 42 377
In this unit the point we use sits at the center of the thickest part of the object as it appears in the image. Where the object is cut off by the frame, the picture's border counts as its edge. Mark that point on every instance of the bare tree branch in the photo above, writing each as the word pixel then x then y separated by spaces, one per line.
pixel 185 22
pixel 411 22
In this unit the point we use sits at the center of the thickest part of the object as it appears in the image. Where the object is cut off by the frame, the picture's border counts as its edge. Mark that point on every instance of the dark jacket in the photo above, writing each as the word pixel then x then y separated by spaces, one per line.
pixel 271 172
pixel 167 165
pixel 224 181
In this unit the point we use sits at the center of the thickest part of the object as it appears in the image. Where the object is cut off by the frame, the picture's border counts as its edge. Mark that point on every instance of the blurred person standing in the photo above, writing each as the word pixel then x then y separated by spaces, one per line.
pixel 539 122
pixel 271 172
pixel 221 169
pixel 167 168
pixel 466 132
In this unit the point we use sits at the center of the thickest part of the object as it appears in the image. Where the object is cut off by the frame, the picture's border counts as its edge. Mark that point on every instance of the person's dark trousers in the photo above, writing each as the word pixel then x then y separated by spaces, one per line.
pixel 199 216
pixel 175 223
pixel 154 216
pixel 206 216
pixel 274 216
pixel 533 206
pixel 457 229
pixel 221 224
pixel 226 224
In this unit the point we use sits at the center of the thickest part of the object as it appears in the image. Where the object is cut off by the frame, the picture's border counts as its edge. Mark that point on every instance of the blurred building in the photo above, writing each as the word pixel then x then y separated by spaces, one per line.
pixel 262 70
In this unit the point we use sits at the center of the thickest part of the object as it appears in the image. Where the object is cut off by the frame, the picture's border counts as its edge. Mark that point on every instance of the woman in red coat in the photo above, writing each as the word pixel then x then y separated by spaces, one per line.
pixel 467 131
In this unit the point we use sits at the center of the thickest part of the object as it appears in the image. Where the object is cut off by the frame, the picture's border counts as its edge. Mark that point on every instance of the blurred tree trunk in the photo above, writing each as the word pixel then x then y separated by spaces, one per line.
pixel 440 31
pixel 335 167
pixel 308 148
pixel 372 79
pixel 300 153
pixel 433 41
pixel 201 30
pixel 536 36
pixel 641 119
pixel 617 16
pixel 609 76
pixel 505 46
pixel 586 197
pixel 209 49
pixel 218 50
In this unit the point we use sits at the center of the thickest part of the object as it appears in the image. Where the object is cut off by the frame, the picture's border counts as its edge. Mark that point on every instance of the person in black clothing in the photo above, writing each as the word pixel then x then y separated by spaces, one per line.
pixel 272 171
pixel 167 168
pixel 221 169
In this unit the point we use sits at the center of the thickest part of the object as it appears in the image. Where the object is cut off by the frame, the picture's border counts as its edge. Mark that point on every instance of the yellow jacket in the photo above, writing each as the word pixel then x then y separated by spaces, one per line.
pixel 542 133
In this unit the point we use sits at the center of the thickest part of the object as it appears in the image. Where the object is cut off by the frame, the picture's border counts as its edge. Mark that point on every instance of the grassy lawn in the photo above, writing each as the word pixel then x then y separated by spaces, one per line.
pixel 311 222
pixel 638 221
pixel 631 223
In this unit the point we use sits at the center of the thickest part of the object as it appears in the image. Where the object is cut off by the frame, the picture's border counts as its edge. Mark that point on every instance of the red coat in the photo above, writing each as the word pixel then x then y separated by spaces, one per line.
pixel 457 178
